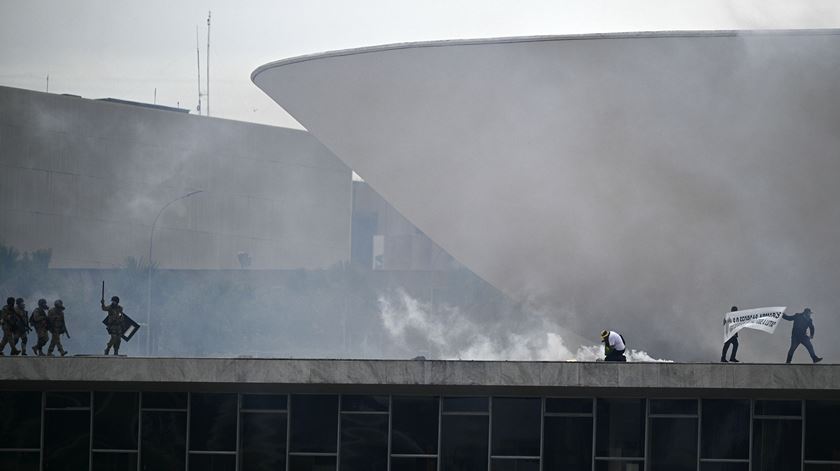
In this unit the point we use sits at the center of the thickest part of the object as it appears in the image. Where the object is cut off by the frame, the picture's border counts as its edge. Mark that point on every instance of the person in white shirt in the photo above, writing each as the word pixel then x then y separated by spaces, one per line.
pixel 613 346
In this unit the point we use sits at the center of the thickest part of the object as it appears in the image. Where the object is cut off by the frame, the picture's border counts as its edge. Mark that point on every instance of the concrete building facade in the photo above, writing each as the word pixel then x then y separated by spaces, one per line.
pixel 260 414
pixel 86 179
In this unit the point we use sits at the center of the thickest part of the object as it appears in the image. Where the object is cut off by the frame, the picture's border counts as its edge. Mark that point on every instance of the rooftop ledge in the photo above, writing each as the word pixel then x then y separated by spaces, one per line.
pixel 426 376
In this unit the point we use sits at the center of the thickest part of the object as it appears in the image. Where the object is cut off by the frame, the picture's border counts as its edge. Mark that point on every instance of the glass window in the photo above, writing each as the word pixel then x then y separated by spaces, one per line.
pixel 673 444
pixel 466 404
pixel 314 424
pixel 115 462
pixel 66 440
pixel 115 420
pixel 263 442
pixel 822 467
pixel 516 426
pixel 726 429
pixel 164 441
pixel 621 428
pixel 414 425
pixel 568 406
pixel 264 402
pixel 364 442
pixel 616 465
pixel 788 408
pixel 568 443
pixel 20 461
pixel 213 462
pixel 213 422
pixel 777 444
pixel 20 420
pixel 464 442
pixel 164 400
pixel 63 400
pixel 514 465
pixel 353 403
pixel 705 466
pixel 312 463
pixel 413 464
pixel 821 439
pixel 673 406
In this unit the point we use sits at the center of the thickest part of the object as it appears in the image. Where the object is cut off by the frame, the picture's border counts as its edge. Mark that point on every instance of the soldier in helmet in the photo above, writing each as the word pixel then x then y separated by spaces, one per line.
pixel 55 320
pixel 114 324
pixel 7 318
pixel 22 328
pixel 38 320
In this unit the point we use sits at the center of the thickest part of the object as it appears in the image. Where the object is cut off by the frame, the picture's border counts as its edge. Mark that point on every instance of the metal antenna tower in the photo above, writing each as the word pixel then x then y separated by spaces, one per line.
pixel 207 89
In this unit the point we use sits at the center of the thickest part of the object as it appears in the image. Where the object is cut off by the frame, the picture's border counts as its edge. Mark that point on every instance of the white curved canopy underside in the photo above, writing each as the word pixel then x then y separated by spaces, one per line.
pixel 608 175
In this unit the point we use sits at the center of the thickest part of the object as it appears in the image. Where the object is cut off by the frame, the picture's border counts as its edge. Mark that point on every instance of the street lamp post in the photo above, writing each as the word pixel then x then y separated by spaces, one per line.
pixel 149 284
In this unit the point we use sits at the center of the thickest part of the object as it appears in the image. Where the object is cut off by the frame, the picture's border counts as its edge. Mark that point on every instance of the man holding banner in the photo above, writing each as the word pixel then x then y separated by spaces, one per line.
pixel 765 319
pixel 731 341
pixel 802 322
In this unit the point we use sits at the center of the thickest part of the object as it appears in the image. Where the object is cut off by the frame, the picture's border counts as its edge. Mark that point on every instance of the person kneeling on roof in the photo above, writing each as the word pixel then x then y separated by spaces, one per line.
pixel 613 346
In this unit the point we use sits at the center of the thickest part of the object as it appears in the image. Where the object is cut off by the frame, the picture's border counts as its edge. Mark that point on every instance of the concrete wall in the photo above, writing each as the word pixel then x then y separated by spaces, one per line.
pixel 86 178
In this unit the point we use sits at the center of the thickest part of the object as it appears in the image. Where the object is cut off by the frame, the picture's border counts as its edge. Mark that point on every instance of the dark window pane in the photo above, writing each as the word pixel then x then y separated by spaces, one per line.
pixel 516 426
pixel 466 404
pixel 822 467
pixel 114 461
pixel 414 425
pixel 61 400
pixel 568 443
pixel 568 406
pixel 673 406
pixel 726 429
pixel 314 423
pixel 164 441
pixel 199 462
pixel 264 401
pixel 514 465
pixel 464 442
pixel 263 446
pixel 791 408
pixel 619 465
pixel 364 442
pixel 413 464
pixel 777 445
pixel 724 466
pixel 673 445
pixel 312 463
pixel 115 420
pixel 364 403
pixel 213 422
pixel 621 428
pixel 821 438
pixel 20 420
pixel 19 461
pixel 66 440
pixel 164 400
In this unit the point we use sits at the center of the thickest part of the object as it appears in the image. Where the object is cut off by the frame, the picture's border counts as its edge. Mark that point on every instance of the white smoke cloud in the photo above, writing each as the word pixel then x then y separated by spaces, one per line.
pixel 443 332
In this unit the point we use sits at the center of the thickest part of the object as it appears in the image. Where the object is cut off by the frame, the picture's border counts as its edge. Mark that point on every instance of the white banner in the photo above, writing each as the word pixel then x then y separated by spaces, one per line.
pixel 763 318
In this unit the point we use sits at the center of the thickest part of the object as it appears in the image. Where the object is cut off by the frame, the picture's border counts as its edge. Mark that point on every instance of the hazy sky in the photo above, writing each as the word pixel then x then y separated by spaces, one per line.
pixel 126 49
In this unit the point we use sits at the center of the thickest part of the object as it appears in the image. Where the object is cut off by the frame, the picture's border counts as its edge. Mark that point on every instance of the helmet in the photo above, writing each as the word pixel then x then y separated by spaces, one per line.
pixel 605 334
pixel 42 302
pixel 115 299
pixel 734 308
pixel 58 303
pixel 10 301
pixel 19 301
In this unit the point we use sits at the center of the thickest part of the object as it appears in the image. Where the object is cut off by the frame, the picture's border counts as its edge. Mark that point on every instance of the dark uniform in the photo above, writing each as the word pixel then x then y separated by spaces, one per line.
pixel 801 324
pixel 8 319
pixel 114 324
pixel 21 325
pixel 38 320
pixel 55 319
pixel 732 341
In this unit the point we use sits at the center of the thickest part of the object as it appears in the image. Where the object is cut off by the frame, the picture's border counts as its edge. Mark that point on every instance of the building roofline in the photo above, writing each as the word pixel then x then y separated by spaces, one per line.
pixel 540 38
pixel 414 376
